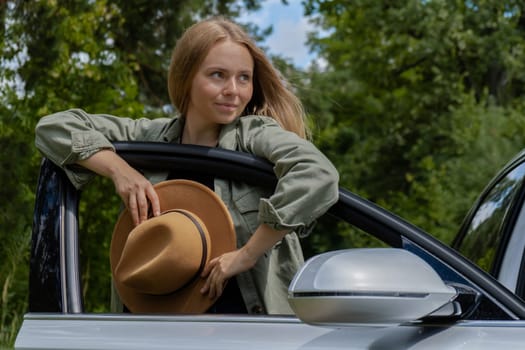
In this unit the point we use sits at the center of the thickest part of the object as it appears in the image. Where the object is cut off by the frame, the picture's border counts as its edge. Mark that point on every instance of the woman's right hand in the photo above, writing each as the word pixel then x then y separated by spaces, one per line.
pixel 137 193
pixel 134 189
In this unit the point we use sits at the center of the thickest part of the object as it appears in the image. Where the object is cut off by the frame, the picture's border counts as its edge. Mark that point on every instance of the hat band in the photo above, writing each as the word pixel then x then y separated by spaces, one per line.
pixel 204 247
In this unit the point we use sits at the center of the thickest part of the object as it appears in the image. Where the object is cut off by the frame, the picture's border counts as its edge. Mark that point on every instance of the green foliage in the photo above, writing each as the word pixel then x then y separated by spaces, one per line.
pixel 414 96
pixel 13 284
pixel 102 56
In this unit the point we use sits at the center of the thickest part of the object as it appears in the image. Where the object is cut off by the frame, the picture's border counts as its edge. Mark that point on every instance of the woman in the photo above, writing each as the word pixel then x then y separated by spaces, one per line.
pixel 228 95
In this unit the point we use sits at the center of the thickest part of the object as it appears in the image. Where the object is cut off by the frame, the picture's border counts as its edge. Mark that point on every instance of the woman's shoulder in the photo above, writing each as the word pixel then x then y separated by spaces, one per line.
pixel 253 121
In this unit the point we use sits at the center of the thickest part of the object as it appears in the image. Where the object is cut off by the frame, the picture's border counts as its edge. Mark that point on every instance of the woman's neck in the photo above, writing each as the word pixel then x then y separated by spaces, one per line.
pixel 200 135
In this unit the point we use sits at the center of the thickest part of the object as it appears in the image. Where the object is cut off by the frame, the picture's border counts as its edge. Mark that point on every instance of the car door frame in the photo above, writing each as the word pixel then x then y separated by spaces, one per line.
pixel 62 229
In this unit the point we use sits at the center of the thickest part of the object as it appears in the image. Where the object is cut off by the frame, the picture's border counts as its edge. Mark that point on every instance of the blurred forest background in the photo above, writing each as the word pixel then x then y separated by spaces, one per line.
pixel 418 103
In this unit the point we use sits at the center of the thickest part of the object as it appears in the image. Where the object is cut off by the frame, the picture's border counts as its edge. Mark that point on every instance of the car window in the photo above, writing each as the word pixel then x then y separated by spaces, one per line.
pixel 486 232
pixel 329 233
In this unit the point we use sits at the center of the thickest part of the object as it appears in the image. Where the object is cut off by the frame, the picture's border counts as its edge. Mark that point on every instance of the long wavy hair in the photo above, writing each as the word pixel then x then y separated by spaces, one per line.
pixel 271 95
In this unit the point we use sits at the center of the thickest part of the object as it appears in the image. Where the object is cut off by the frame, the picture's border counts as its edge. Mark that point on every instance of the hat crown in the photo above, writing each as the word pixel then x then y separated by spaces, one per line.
pixel 162 280
pixel 164 254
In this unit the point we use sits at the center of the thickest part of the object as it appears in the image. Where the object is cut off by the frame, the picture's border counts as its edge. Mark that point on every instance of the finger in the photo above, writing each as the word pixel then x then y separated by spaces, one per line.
pixel 206 287
pixel 219 288
pixel 210 284
pixel 216 283
pixel 211 287
pixel 206 271
pixel 206 274
pixel 133 210
pixel 154 200
pixel 142 203
pixel 209 267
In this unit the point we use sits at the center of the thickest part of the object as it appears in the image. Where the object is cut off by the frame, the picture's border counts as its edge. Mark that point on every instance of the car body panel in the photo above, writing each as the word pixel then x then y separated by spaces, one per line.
pixel 53 331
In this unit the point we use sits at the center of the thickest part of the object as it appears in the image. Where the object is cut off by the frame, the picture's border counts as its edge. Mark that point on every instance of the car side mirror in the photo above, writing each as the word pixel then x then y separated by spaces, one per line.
pixel 363 286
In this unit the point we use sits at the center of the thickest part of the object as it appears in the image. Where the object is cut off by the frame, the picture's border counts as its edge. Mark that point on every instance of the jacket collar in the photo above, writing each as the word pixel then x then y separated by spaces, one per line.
pixel 174 129
pixel 227 136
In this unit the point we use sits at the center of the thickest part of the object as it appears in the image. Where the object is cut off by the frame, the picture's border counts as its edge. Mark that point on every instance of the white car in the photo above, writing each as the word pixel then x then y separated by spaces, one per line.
pixel 414 292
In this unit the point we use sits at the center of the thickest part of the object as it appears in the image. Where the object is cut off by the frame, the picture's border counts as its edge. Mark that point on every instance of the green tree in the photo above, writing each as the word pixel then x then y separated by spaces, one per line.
pixel 400 80
pixel 102 56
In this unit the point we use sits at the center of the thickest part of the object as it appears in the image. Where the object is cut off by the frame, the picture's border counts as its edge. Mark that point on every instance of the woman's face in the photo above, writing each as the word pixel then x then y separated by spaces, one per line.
pixel 222 86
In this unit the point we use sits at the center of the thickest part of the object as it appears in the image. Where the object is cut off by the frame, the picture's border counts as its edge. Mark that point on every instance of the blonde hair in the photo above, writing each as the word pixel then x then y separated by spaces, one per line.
pixel 271 95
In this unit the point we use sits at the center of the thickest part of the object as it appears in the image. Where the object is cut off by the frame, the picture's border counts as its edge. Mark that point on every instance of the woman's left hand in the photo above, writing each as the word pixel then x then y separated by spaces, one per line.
pixel 223 267
pixel 227 265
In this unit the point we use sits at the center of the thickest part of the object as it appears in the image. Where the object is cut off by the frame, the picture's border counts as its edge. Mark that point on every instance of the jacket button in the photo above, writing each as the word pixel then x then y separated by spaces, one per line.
pixel 257 309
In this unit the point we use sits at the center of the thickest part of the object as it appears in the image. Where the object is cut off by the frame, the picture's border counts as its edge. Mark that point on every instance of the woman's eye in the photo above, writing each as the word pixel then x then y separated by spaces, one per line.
pixel 217 74
pixel 245 78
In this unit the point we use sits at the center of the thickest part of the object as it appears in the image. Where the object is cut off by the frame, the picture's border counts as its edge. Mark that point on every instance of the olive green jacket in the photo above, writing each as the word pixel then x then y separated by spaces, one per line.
pixel 307 184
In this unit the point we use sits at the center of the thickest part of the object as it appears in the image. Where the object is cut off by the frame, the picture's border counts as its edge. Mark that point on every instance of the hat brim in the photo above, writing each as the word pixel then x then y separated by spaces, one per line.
pixel 202 202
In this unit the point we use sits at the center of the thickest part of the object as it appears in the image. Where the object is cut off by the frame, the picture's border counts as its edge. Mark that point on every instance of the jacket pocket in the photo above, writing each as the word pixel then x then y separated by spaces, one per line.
pixel 246 200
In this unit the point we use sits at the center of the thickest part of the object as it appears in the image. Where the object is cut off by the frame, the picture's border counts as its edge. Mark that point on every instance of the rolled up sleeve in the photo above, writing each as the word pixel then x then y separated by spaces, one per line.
pixel 73 135
pixel 308 183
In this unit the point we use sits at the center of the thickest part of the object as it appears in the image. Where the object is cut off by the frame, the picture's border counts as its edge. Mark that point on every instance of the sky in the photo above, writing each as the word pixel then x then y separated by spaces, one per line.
pixel 290 28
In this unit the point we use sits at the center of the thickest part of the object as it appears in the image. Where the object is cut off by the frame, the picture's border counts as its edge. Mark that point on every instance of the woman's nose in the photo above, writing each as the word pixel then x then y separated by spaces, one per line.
pixel 230 87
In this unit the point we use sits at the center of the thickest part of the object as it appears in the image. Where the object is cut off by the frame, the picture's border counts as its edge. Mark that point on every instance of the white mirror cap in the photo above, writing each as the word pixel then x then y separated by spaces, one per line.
pixel 383 285
pixel 362 270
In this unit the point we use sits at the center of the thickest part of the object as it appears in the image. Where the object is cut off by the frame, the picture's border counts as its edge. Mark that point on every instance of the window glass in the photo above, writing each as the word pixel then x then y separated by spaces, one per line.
pixel 98 212
pixel 485 232
pixel 332 233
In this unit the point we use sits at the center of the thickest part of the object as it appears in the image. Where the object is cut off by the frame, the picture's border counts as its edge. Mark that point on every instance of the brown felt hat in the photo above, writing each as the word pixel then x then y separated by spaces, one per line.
pixel 156 265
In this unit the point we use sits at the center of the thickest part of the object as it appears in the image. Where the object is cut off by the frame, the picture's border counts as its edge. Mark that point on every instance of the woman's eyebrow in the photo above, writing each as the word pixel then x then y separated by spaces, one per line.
pixel 225 69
